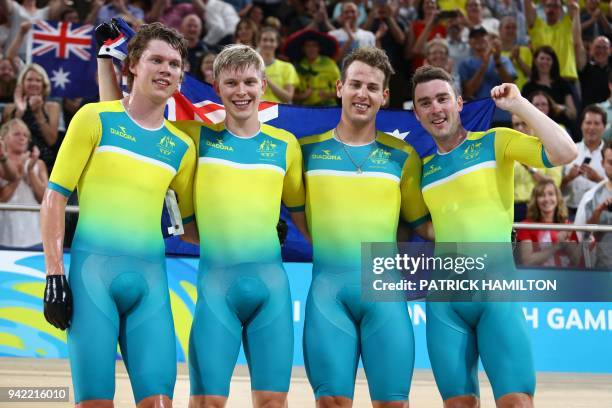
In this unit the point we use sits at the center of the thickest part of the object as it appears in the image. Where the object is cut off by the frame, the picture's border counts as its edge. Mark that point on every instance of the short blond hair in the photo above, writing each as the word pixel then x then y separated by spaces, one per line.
pixel 6 128
pixel 40 71
pixel 238 57
pixel 436 42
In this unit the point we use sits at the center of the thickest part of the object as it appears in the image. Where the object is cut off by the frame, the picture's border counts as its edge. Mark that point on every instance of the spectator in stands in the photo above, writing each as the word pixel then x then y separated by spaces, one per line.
pixel 338 9
pixel 70 15
pixel 511 8
pixel 256 14
pixel 12 52
pixel 102 11
pixel 220 21
pixel 281 76
pixel 191 28
pixel 561 32
pixel 8 171
pixel 586 170
pixel 526 177
pixel 171 13
pixel 309 15
pixel 596 208
pixel 545 75
pixel 429 26
pixel 594 73
pixel 383 21
pixel 8 81
pixel 4 31
pixel 607 107
pixel 406 12
pixel 273 22
pixel 270 7
pixel 520 55
pixel 41 115
pixel 593 21
pixel 21 229
pixel 349 35
pixel 312 53
pixel 475 17
pixel 246 33
pixel 205 72
pixel 27 11
pixel 436 55
pixel 242 7
pixel 485 69
pixel 547 247
pixel 220 18
pixel 458 47
pixel 545 103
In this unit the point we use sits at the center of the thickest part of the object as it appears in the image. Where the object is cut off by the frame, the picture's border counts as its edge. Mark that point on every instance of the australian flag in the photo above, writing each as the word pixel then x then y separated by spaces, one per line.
pixel 67 52
pixel 198 101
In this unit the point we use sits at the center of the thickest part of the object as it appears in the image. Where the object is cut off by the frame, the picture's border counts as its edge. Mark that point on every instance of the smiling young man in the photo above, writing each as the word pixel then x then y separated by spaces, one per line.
pixel 245 170
pixel 123 155
pixel 468 188
pixel 356 179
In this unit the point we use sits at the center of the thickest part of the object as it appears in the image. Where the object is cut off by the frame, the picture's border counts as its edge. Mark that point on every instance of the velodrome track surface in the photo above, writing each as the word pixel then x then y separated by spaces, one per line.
pixel 554 390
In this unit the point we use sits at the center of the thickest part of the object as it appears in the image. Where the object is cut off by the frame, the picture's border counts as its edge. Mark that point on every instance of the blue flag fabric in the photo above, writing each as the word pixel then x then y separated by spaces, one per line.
pixel 66 51
pixel 198 101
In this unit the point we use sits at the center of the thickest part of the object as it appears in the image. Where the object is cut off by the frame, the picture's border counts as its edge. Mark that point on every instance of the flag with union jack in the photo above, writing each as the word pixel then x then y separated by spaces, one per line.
pixel 198 101
pixel 67 52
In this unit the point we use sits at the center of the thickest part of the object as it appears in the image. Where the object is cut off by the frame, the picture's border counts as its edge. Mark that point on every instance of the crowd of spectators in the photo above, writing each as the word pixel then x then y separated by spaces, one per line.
pixel 556 51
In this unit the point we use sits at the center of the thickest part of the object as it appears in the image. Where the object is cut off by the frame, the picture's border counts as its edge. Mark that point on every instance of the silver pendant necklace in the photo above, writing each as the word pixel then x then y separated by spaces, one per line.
pixel 358 167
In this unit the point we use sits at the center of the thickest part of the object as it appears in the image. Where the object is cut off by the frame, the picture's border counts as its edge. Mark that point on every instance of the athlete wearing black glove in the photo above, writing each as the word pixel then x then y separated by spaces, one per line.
pixel 58 301
pixel 105 34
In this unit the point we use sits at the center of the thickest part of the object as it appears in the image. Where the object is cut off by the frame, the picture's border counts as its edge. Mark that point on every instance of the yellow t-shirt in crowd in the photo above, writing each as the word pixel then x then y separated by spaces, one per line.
pixel 559 37
pixel 524 183
pixel 527 57
pixel 281 73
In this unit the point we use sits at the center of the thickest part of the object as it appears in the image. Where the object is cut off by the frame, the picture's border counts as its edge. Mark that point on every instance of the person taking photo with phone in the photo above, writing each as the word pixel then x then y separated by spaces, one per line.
pixel 596 208
pixel 586 170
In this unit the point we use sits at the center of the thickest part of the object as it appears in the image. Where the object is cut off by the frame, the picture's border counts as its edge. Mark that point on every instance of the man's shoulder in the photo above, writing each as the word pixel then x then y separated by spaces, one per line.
pixel 395 143
pixel 318 138
pixel 95 108
pixel 278 133
pixel 182 134
pixel 597 194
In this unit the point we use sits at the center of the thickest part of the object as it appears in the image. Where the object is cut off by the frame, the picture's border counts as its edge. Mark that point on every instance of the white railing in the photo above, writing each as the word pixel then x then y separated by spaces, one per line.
pixel 516 225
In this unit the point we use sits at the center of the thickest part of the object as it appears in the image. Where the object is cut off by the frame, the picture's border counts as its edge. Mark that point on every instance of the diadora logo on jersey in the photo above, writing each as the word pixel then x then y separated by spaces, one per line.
pixel 325 154
pixel 431 169
pixel 267 149
pixel 380 156
pixel 122 133
pixel 219 145
pixel 472 151
pixel 166 145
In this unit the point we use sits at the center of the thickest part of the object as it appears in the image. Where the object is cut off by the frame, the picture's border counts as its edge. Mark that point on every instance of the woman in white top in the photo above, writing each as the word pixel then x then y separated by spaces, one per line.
pixel 21 228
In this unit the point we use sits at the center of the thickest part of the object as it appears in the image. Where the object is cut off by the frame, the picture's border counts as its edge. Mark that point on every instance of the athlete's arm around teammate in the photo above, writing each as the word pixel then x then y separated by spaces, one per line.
pixel 559 146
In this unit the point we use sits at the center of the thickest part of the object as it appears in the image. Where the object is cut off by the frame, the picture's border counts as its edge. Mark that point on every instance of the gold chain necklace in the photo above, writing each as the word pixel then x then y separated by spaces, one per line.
pixel 358 167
